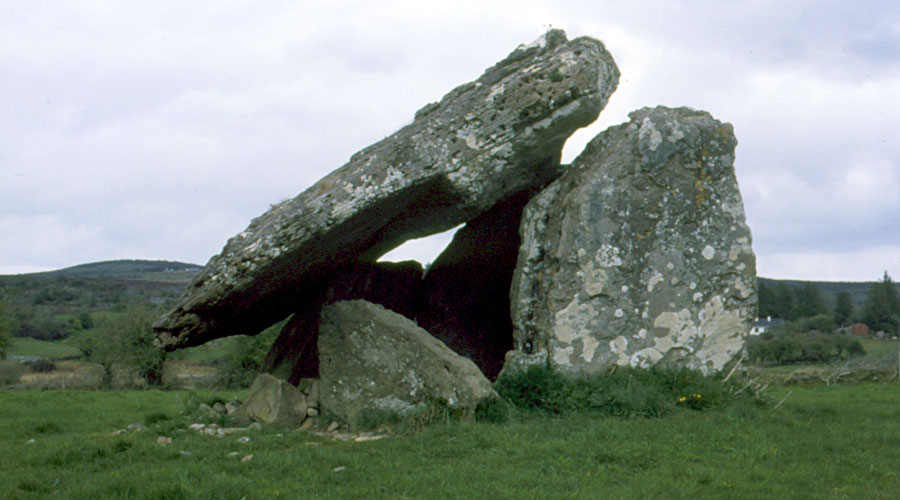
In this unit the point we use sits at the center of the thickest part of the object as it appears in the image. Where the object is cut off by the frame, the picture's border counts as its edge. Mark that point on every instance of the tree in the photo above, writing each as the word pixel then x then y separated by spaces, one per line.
pixel 881 310
pixel 843 308
pixel 124 341
pixel 808 302
pixel 7 326
pixel 767 305
pixel 784 301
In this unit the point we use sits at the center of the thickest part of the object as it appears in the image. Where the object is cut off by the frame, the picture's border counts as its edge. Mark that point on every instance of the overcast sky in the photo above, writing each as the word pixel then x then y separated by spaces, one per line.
pixel 158 129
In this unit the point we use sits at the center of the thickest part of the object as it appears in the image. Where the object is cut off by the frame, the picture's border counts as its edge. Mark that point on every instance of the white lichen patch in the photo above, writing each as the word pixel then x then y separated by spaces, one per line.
pixel 393 403
pixel 734 208
pixel 608 256
pixel 619 347
pixel 722 332
pixel 710 341
pixel 708 252
pixel 573 322
pixel 588 347
pixel 740 246
pixel 393 176
pixel 649 135
pixel 357 196
pixel 654 280
pixel 645 358
pixel 593 279
pixel 676 134
pixel 679 327
pixel 562 356
pixel 742 288
pixel 495 91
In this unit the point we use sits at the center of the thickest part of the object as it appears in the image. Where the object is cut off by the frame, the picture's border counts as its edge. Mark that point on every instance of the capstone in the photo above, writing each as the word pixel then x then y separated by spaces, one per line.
pixel 482 142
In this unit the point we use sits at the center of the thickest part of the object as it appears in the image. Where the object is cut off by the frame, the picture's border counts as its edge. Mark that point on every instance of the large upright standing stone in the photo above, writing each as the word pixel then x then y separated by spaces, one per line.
pixel 482 142
pixel 639 255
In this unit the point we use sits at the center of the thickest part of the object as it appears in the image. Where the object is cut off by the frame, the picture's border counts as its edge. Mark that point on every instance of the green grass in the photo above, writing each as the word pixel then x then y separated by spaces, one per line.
pixel 875 347
pixel 823 442
pixel 26 346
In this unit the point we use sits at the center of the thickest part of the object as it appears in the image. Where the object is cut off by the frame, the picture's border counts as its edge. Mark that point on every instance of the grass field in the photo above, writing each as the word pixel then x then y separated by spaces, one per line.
pixel 822 442
pixel 26 346
pixel 875 347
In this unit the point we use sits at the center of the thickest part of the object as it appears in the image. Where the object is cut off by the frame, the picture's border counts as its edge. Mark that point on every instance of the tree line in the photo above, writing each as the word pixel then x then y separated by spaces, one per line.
pixel 880 311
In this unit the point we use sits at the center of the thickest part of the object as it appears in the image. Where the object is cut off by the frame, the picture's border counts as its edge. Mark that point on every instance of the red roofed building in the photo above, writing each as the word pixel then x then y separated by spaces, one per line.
pixel 859 329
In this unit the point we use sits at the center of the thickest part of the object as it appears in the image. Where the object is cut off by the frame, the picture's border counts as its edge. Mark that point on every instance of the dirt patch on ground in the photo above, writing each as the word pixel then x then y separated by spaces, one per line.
pixel 67 375
pixel 83 375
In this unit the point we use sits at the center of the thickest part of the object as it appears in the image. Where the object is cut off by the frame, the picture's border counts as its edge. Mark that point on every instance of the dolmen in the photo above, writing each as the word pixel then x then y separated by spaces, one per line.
pixel 637 254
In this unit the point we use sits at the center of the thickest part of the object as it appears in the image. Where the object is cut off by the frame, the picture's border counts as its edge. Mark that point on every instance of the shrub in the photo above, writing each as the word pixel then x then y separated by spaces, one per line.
pixel 43 327
pixel 10 372
pixel 493 410
pixel 42 365
pixel 245 356
pixel 124 341
pixel 802 348
pixel 6 329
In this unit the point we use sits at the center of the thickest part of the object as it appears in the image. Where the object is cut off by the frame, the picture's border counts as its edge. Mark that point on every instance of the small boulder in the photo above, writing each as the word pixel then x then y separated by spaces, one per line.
pixel 272 401
pixel 372 359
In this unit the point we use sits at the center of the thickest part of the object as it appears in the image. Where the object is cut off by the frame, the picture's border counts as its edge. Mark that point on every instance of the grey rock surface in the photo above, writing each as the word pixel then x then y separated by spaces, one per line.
pixel 482 142
pixel 639 254
pixel 272 401
pixel 372 359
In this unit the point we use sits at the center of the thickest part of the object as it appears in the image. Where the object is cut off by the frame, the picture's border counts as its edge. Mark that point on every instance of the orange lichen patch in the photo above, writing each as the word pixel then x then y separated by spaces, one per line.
pixel 701 187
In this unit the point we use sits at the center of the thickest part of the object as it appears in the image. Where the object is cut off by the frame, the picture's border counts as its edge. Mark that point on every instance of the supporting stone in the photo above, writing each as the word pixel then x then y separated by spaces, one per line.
pixel 466 289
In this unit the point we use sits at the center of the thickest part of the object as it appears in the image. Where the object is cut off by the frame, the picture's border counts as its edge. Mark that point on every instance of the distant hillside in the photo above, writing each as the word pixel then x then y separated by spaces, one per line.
pixel 45 305
pixel 124 268
pixel 830 289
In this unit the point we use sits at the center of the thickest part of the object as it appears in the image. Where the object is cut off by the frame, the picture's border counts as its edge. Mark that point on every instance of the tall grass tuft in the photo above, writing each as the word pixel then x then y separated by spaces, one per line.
pixel 10 372
pixel 622 392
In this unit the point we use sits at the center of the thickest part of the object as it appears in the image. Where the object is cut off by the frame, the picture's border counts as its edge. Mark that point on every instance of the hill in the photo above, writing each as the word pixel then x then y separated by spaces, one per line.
pixel 830 289
pixel 51 305
pixel 152 270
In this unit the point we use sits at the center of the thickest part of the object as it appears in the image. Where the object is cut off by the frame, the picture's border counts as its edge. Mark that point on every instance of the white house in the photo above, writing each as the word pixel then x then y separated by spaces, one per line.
pixel 762 325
